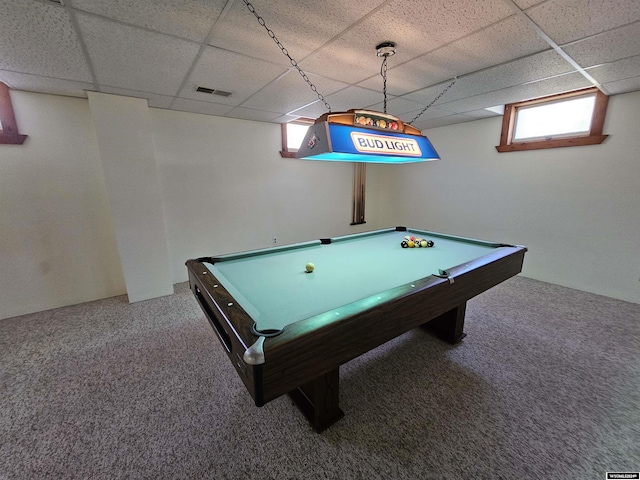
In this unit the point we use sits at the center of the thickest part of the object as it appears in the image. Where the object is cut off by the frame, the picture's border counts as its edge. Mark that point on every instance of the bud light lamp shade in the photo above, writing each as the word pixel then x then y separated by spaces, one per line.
pixel 365 136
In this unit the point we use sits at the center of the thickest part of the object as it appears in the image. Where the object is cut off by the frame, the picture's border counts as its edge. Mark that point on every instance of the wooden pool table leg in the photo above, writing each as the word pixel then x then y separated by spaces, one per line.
pixel 318 400
pixel 450 325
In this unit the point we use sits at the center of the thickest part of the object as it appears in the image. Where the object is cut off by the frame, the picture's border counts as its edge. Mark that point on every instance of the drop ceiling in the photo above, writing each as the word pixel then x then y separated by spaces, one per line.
pixel 500 51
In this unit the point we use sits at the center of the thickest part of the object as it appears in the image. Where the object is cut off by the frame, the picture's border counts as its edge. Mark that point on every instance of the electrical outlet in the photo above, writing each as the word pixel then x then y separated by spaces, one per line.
pixel 275 240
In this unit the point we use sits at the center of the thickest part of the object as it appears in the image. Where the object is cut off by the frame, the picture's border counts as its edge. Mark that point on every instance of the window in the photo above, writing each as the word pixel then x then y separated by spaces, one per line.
pixel 564 120
pixel 9 134
pixel 292 135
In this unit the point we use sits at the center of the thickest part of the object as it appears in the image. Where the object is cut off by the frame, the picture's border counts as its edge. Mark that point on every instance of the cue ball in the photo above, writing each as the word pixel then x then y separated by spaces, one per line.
pixel 309 267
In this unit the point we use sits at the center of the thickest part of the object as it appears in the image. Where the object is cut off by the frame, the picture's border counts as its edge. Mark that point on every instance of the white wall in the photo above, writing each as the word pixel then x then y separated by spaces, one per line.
pixel 227 189
pixel 57 244
pixel 224 187
pixel 577 209
pixel 125 145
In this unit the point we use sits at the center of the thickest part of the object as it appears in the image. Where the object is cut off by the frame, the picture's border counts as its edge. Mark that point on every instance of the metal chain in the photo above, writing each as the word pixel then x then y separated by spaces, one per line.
pixel 286 54
pixel 434 100
pixel 383 72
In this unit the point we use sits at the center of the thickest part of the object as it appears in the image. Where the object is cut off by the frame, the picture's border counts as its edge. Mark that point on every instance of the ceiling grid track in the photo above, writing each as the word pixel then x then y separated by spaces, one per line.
pixel 542 34
pixel 204 45
pixel 83 46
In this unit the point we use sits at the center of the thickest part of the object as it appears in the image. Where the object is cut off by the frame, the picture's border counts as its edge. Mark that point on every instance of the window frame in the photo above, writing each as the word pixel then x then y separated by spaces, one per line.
pixel 9 134
pixel 593 137
pixel 291 153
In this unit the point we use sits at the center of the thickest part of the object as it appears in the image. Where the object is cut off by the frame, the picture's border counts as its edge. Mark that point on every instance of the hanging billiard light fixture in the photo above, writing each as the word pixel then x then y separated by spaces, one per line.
pixel 366 136
pixel 363 136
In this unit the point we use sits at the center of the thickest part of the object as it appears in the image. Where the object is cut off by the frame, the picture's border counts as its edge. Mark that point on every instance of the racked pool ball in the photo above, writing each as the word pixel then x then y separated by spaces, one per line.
pixel 404 244
pixel 424 243
pixel 411 244
pixel 430 243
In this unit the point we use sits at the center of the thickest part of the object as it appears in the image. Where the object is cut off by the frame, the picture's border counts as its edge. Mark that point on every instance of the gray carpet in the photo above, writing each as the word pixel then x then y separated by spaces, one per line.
pixel 545 386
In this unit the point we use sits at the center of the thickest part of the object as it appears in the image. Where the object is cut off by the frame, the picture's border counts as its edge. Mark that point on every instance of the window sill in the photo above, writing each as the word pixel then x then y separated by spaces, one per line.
pixel 557 143
pixel 12 139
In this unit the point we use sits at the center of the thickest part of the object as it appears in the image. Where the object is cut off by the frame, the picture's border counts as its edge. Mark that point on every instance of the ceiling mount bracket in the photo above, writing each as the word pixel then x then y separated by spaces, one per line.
pixel 386 49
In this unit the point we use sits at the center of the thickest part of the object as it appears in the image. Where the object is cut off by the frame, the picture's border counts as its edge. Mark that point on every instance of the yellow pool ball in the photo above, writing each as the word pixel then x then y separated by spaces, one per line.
pixel 309 267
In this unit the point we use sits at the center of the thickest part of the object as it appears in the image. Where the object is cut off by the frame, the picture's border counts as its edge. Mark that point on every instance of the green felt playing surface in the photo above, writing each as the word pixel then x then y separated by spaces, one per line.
pixel 274 289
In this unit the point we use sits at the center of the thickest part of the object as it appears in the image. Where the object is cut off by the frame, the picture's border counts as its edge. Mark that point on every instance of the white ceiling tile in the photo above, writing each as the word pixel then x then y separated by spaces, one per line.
pixel 484 113
pixel 301 27
pixel 40 39
pixel 397 106
pixel 37 83
pixel 414 74
pixel 419 118
pixel 313 110
pixel 506 40
pixel 191 19
pixel 623 86
pixel 291 91
pixel 131 58
pixel 607 47
pixel 509 39
pixel 550 86
pixel 568 20
pixel 286 118
pixel 206 108
pixel 344 61
pixel 417 28
pixel 524 4
pixel 444 121
pixel 428 95
pixel 528 69
pixel 615 71
pixel 153 99
pixel 353 97
pixel 242 76
pixel 428 114
pixel 256 115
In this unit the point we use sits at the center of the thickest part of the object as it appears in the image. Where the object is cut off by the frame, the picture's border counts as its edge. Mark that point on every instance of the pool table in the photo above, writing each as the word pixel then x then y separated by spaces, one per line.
pixel 286 330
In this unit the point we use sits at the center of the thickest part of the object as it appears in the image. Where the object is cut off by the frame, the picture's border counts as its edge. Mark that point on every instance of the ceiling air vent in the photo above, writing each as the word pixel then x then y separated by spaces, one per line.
pixel 213 91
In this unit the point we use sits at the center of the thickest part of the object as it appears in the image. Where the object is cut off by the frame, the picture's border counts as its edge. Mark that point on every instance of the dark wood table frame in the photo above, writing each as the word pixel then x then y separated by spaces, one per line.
pixel 304 361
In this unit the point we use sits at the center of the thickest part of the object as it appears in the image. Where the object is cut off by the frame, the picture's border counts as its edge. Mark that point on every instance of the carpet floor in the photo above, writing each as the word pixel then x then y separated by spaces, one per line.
pixel 546 385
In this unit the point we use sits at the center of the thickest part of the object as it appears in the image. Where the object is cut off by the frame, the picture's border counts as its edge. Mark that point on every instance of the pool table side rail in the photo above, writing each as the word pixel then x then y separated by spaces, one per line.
pixel 359 236
pixel 258 252
pixel 473 241
pixel 232 325
pixel 415 232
